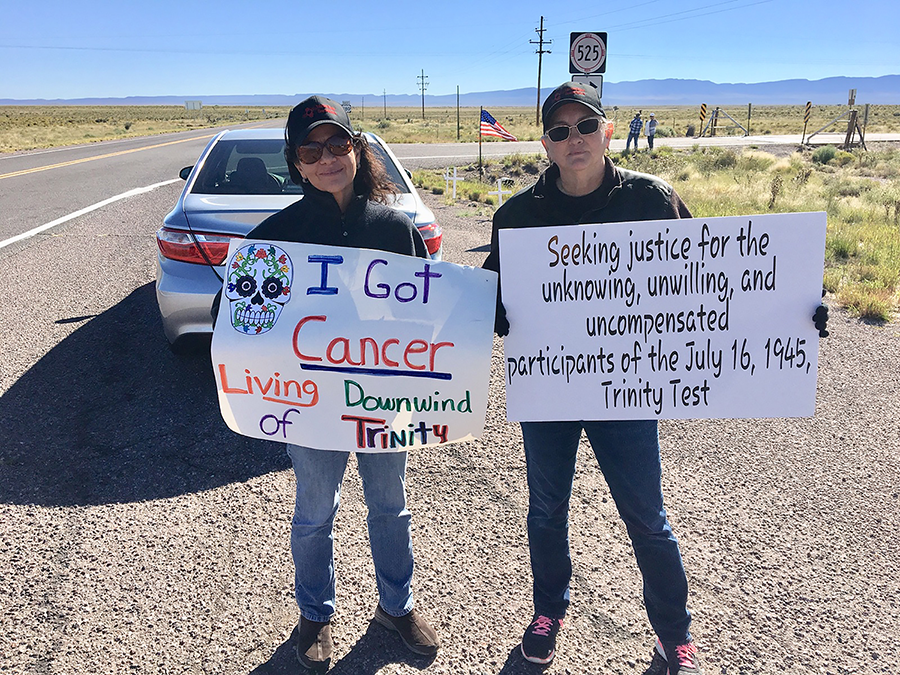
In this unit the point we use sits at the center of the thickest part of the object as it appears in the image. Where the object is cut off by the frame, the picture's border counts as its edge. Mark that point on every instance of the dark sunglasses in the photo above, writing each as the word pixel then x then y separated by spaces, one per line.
pixel 585 128
pixel 337 145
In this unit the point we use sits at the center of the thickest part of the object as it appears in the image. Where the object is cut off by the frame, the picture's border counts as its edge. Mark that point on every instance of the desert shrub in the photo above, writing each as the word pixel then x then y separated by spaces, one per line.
pixel 842 158
pixel 726 160
pixel 755 161
pixel 802 176
pixel 840 246
pixel 887 196
pixel 824 154
pixel 775 190
pixel 868 303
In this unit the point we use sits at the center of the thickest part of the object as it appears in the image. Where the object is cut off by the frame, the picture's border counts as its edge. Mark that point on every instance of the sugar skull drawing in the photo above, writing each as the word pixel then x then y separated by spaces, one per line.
pixel 259 286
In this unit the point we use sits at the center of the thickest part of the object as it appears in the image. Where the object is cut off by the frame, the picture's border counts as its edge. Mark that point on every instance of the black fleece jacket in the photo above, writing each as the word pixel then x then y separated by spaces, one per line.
pixel 623 196
pixel 317 219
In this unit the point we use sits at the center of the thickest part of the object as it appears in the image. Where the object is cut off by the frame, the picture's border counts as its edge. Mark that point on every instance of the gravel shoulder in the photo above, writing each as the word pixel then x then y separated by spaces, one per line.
pixel 169 553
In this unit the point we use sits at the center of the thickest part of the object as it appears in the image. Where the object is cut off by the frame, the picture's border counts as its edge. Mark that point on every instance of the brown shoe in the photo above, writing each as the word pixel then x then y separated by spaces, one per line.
pixel 413 629
pixel 314 644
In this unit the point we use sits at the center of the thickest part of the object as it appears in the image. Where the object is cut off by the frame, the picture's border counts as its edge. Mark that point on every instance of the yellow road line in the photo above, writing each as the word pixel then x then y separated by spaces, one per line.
pixel 90 159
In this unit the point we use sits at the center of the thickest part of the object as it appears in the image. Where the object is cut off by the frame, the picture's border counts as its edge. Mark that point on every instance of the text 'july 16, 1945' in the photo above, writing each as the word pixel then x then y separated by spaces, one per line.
pixel 663 319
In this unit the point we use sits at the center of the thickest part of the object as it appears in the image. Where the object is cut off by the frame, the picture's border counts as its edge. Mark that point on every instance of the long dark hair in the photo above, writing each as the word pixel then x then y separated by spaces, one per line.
pixel 371 180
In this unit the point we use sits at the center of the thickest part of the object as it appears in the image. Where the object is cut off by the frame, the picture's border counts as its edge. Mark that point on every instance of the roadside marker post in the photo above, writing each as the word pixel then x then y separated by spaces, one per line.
pixel 448 179
pixel 805 121
pixel 500 191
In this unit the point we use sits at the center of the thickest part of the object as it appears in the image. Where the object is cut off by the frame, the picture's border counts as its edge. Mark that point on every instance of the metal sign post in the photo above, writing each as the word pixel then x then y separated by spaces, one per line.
pixel 805 121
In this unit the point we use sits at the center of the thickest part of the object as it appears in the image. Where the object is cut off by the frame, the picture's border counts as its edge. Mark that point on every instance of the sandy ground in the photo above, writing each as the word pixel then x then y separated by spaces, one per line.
pixel 169 554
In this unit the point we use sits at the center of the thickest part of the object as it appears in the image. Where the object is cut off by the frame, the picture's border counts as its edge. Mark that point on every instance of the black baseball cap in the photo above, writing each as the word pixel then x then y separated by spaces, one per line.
pixel 571 92
pixel 312 112
pixel 306 116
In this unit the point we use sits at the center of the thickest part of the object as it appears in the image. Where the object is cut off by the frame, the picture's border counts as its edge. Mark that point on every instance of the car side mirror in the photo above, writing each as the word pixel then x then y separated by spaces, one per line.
pixel 408 173
pixel 185 172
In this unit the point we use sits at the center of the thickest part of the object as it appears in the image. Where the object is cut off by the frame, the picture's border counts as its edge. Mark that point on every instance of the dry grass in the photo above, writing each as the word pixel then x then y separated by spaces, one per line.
pixel 29 127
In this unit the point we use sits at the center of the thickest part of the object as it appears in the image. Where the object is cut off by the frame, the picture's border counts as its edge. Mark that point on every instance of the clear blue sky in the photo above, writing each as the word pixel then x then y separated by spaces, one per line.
pixel 53 49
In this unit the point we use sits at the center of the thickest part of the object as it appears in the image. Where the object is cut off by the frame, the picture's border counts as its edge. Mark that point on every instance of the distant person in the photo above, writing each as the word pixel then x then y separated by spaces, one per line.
pixel 650 130
pixel 634 131
pixel 345 188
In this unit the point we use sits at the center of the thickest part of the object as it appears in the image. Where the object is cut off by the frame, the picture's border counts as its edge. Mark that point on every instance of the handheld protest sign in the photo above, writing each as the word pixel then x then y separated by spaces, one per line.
pixel 351 349
pixel 692 318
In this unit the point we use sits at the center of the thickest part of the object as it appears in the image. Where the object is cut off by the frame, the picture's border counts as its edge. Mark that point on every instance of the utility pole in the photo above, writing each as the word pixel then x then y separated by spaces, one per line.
pixel 423 85
pixel 384 102
pixel 540 52
pixel 457 112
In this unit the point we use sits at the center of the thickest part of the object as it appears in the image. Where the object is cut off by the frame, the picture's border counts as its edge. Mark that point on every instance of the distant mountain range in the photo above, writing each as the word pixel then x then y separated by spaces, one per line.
pixel 883 90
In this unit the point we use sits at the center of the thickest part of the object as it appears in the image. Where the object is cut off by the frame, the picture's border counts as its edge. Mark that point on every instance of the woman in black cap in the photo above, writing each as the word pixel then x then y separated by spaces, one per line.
pixel 345 188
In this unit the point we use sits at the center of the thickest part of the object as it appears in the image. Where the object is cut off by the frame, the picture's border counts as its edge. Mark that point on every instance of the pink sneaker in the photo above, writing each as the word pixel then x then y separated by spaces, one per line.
pixel 539 641
pixel 682 659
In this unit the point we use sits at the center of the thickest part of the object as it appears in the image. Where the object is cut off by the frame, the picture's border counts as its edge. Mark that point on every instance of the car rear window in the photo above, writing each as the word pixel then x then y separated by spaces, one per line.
pixel 251 166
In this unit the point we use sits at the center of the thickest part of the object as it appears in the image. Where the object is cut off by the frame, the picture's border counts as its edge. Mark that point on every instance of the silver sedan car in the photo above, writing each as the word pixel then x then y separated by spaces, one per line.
pixel 240 179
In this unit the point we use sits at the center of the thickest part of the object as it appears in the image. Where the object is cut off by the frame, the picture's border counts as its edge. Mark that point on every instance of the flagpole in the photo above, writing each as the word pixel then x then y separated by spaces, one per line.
pixel 479 141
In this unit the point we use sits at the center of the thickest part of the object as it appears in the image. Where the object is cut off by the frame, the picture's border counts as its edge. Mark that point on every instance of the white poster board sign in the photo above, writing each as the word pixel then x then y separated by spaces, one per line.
pixel 352 349
pixel 694 318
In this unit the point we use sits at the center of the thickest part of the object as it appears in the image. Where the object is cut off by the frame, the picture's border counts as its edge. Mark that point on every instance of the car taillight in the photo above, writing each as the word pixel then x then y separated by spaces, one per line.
pixel 432 234
pixel 434 244
pixel 185 246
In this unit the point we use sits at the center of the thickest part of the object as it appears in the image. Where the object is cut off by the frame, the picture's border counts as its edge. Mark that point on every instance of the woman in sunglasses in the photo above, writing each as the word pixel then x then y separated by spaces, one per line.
pixel 582 185
pixel 345 187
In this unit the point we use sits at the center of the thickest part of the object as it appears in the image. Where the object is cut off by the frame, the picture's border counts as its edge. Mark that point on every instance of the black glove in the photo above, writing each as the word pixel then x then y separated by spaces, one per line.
pixel 501 323
pixel 820 319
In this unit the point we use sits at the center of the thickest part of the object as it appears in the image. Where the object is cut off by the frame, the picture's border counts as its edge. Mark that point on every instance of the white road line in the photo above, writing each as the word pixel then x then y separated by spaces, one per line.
pixel 86 209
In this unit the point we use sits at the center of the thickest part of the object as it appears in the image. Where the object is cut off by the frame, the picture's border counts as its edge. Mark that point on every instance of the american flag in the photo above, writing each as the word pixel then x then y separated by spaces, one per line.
pixel 491 127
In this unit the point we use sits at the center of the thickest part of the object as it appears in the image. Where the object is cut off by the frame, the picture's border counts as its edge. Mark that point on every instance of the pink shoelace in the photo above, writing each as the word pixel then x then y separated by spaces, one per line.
pixel 685 654
pixel 542 625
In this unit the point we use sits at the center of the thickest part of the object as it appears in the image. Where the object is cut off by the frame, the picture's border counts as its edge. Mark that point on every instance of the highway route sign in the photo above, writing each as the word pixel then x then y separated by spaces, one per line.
pixel 587 53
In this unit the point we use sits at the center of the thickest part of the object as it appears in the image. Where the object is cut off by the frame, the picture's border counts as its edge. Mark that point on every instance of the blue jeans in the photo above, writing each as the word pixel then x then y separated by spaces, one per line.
pixel 628 455
pixel 319 476
pixel 632 137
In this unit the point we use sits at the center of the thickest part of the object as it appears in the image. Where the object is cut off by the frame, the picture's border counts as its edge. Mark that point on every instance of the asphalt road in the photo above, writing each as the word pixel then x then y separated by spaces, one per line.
pixel 37 188
pixel 139 535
